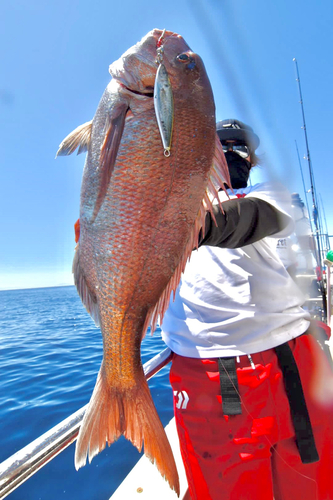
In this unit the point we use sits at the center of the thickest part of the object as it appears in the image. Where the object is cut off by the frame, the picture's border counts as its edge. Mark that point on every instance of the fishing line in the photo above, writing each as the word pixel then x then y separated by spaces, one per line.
pixel 269 441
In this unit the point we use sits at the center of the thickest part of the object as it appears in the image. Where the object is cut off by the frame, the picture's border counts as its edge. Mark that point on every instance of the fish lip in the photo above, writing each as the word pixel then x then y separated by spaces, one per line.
pixel 120 70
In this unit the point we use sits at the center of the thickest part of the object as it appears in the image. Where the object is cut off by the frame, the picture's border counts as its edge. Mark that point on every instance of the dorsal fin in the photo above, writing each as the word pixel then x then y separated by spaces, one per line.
pixel 79 138
pixel 220 171
pixel 219 176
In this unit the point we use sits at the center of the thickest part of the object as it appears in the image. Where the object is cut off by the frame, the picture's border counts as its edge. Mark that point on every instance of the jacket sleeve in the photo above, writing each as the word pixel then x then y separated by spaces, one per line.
pixel 244 221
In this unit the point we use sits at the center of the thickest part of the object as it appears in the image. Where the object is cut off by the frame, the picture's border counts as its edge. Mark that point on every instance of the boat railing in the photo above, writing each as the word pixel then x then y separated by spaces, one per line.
pixel 27 461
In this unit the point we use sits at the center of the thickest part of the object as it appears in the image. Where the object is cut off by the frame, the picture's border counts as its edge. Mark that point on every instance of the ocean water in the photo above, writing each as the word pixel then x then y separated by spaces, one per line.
pixel 50 353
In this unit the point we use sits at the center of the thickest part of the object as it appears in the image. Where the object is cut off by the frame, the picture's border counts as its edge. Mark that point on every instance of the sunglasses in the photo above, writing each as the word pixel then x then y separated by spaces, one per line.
pixel 240 149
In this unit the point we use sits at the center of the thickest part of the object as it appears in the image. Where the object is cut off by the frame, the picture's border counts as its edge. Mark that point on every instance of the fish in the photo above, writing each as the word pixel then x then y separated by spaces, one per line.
pixel 141 212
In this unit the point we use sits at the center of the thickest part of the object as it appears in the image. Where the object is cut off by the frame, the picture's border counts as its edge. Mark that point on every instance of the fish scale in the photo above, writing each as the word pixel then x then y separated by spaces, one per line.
pixel 140 217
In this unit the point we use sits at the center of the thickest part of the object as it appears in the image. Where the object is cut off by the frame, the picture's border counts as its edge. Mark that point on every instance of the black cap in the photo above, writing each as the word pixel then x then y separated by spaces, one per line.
pixel 232 129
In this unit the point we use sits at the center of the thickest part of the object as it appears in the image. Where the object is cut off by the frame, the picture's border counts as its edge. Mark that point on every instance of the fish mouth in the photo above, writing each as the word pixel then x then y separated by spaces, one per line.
pixel 147 93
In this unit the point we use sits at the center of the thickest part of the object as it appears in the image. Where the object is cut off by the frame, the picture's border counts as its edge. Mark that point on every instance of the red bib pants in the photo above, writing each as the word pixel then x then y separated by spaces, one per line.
pixel 253 456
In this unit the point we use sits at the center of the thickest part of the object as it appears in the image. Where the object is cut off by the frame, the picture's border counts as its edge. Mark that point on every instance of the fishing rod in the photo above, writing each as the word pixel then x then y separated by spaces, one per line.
pixel 316 216
pixel 305 191
pixel 307 203
pixel 328 246
pixel 321 229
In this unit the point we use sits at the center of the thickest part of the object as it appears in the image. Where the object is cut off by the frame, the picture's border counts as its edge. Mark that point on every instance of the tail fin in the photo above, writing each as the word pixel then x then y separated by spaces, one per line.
pixel 113 412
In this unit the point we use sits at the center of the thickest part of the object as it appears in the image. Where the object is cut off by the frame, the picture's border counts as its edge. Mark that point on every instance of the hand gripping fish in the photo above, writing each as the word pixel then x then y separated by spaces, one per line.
pixel 140 216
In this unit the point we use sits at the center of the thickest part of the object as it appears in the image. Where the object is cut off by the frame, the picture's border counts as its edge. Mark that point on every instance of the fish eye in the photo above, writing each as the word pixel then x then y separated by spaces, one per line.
pixel 183 57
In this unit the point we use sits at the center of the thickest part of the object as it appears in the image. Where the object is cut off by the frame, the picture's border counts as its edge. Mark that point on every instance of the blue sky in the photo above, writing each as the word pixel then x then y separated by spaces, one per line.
pixel 54 67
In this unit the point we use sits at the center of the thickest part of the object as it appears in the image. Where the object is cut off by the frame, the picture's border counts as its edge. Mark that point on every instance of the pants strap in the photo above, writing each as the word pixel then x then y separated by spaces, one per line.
pixel 299 413
pixel 231 403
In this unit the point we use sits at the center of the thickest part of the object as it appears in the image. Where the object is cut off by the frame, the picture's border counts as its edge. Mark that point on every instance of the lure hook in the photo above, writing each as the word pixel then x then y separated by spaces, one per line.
pixel 160 49
pixel 160 40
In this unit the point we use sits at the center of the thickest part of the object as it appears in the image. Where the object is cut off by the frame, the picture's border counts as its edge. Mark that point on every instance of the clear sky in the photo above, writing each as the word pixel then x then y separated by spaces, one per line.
pixel 54 67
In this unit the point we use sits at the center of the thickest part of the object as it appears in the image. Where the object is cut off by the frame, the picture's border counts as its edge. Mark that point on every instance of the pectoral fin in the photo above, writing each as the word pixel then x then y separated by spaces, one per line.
pixel 79 138
pixel 113 133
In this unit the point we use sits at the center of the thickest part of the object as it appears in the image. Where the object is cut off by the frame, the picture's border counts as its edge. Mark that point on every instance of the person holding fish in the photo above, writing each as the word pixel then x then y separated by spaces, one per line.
pixel 154 165
pixel 243 370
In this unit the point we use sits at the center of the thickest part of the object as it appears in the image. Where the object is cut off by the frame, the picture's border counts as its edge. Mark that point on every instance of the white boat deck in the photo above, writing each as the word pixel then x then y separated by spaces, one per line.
pixel 144 482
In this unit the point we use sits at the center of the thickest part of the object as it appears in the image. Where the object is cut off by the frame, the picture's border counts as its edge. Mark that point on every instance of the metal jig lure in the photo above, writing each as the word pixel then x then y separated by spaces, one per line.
pixel 163 99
